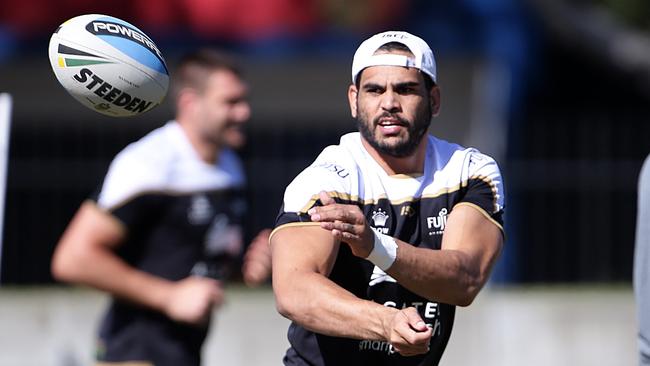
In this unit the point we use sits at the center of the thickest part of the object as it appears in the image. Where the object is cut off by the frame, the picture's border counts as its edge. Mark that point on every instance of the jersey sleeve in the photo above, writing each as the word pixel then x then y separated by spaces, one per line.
pixel 483 186
pixel 326 173
pixel 129 190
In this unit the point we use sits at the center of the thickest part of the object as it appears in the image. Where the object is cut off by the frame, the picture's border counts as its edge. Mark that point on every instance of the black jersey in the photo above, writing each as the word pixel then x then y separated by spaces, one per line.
pixel 183 217
pixel 411 208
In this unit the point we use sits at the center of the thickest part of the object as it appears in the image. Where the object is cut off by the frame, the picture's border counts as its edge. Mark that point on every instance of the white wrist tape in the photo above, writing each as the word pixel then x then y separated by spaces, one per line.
pixel 385 251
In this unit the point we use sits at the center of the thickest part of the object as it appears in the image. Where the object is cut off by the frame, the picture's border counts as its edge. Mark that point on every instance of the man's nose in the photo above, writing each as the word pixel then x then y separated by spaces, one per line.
pixel 390 102
pixel 242 112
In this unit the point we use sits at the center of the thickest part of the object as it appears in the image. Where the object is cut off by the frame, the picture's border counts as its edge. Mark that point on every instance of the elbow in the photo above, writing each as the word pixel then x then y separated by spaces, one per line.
pixel 286 306
pixel 466 298
pixel 467 280
pixel 65 265
pixel 283 308
pixel 60 271
pixel 292 303
pixel 469 286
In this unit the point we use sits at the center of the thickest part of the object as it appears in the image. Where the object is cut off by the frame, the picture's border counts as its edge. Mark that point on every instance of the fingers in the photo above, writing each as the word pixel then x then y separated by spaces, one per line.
pixel 347 230
pixel 192 299
pixel 346 222
pixel 256 270
pixel 410 335
pixel 259 249
pixel 207 291
pixel 255 273
pixel 331 211
pixel 337 212
pixel 325 198
pixel 414 320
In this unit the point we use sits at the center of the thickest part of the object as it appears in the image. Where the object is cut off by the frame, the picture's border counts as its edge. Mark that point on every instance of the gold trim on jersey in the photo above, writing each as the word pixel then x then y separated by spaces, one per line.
pixel 442 191
pixel 366 202
pixel 488 181
pixel 334 194
pixel 162 192
pixel 482 211
pixel 292 224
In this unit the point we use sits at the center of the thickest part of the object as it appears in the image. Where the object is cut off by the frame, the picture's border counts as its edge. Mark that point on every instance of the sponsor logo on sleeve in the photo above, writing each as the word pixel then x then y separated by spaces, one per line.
pixel 335 168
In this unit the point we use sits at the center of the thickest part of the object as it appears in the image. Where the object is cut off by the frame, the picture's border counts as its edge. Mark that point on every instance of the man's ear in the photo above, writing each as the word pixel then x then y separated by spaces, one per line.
pixel 434 99
pixel 353 93
pixel 185 98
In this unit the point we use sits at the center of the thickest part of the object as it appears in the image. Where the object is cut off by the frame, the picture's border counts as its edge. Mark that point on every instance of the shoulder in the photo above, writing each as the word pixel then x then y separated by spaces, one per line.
pixel 140 167
pixel 467 161
pixel 334 171
pixel 468 170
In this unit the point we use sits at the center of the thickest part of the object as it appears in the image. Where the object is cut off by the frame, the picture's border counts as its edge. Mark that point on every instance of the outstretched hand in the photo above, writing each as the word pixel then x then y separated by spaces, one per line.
pixel 347 223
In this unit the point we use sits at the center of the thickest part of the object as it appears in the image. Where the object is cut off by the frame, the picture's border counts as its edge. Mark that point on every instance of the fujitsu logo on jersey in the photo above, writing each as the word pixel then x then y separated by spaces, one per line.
pixel 436 224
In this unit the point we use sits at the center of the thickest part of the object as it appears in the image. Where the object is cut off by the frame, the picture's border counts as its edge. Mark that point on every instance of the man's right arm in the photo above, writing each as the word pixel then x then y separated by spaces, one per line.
pixel 303 257
pixel 85 255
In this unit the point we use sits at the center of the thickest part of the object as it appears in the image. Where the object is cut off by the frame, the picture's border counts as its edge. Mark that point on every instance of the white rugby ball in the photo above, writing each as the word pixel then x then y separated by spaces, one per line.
pixel 109 65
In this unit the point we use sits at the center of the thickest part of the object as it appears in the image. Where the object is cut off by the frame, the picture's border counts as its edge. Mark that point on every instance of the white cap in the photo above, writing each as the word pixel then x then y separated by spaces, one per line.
pixel 365 55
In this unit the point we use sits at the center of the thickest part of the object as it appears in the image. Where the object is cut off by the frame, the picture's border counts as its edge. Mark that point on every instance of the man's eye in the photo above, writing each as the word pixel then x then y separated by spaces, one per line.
pixel 406 90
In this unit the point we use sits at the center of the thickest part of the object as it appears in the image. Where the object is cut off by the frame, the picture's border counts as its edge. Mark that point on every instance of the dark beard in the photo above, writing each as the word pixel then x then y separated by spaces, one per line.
pixel 406 148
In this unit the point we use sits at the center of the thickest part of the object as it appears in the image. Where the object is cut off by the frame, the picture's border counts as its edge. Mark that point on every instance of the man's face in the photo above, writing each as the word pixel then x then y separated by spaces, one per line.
pixel 224 109
pixel 393 108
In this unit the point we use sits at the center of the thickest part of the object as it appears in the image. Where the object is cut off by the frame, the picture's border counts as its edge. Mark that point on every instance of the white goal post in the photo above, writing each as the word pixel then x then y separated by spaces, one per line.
pixel 5 121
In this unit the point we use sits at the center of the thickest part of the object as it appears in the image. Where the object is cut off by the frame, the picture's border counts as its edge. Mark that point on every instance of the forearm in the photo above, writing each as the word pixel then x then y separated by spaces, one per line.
pixel 318 304
pixel 86 255
pixel 447 276
pixel 105 271
pixel 456 273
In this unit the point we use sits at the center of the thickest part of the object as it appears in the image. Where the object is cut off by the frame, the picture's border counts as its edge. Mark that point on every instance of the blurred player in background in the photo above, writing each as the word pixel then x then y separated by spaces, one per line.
pixel 165 229
pixel 642 264
pixel 384 234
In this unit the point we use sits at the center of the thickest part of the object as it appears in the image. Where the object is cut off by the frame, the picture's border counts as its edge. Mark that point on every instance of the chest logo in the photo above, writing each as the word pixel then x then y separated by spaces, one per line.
pixel 379 217
pixel 200 210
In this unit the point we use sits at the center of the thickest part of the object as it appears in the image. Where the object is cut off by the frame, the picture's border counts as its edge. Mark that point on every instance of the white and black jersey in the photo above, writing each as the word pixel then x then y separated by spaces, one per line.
pixel 183 217
pixel 411 208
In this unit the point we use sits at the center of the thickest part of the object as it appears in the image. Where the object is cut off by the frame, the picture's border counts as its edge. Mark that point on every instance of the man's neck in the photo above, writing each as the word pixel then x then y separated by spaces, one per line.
pixel 206 150
pixel 409 165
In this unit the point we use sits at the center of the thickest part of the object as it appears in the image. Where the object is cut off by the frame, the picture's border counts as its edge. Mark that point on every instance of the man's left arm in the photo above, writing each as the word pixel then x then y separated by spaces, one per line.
pixel 455 274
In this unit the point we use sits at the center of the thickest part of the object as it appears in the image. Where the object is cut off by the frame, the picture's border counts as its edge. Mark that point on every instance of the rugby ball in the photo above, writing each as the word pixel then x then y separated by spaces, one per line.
pixel 108 65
